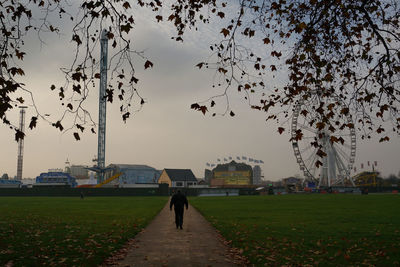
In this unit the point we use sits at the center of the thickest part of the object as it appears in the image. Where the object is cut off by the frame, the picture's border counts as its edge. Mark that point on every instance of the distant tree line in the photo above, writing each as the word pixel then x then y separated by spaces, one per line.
pixel 391 179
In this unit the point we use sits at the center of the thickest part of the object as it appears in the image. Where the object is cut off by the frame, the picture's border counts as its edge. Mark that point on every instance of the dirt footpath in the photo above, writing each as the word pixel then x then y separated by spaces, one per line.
pixel 161 244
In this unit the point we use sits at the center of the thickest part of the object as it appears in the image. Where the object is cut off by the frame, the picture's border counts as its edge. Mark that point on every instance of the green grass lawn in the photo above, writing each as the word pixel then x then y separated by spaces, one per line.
pixel 325 230
pixel 58 231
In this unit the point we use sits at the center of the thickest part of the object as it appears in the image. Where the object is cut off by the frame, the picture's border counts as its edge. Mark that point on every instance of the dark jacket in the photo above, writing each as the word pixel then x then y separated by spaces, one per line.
pixel 178 200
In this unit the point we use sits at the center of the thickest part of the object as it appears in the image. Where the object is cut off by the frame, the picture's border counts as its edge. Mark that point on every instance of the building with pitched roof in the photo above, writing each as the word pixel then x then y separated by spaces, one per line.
pixel 177 178
pixel 232 174
pixel 134 174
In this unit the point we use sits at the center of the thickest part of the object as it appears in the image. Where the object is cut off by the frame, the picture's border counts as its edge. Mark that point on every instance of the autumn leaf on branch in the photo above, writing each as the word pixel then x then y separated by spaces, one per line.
pixel 126 5
pixel 298 135
pixel 320 125
pixel 109 95
pixel 225 32
pixel 125 116
pixel 110 35
pixel 76 76
pixel 80 127
pixel 77 88
pixel 384 139
pixel 14 71
pixel 200 65
pixel 33 123
pixel 334 139
pixel 300 27
pixel 134 79
pixel 148 64
pixel 19 54
pixel 19 135
pixel 159 18
pixel 196 106
pixel 58 125
pixel 222 70
pixel 203 109
pixel 171 17
pixel 321 153
pixel 77 39
pixel 76 135
pixel 318 164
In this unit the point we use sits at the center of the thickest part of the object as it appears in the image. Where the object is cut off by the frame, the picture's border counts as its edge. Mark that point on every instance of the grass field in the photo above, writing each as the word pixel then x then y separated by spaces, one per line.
pixel 40 231
pixel 324 230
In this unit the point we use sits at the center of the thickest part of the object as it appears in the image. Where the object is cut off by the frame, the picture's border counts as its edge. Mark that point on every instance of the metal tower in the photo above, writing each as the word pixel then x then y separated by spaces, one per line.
pixel 21 143
pixel 2 48
pixel 101 145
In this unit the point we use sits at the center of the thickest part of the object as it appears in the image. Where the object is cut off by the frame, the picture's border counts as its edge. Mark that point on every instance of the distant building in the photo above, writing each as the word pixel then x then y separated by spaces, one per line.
pixel 271 183
pixel 202 182
pixel 232 174
pixel 291 180
pixel 207 176
pixel 177 177
pixel 292 184
pixel 55 170
pixel 277 183
pixel 6 183
pixel 257 175
pixel 52 179
pixel 78 171
pixel 134 173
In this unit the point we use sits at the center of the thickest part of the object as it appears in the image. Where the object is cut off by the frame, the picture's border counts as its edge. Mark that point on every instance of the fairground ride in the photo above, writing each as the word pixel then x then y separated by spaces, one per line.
pixel 340 156
pixel 112 178
pixel 366 178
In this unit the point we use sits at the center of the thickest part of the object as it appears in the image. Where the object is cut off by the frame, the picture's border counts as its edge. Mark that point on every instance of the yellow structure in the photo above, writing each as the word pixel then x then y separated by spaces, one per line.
pixel 177 178
pixel 232 177
pixel 164 179
pixel 108 180
pixel 232 174
pixel 366 179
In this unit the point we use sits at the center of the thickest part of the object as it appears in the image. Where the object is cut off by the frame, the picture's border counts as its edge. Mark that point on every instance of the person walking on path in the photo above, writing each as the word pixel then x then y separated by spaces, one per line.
pixel 178 200
pixel 159 244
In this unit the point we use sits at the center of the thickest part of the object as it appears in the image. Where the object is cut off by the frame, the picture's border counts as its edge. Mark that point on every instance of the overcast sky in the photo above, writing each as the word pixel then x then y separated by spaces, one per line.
pixel 166 133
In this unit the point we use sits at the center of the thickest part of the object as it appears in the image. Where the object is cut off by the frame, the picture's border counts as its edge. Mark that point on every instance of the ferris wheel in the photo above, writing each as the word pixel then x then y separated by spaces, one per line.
pixel 339 157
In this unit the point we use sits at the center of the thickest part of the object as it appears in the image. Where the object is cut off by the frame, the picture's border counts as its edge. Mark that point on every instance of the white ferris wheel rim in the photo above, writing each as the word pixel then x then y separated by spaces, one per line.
pixel 344 160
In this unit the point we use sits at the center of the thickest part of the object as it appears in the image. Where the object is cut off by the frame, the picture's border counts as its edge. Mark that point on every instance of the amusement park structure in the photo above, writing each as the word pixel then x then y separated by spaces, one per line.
pixel 101 145
pixel 107 181
pixel 339 156
pixel 2 51
pixel 21 143
pixel 367 178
